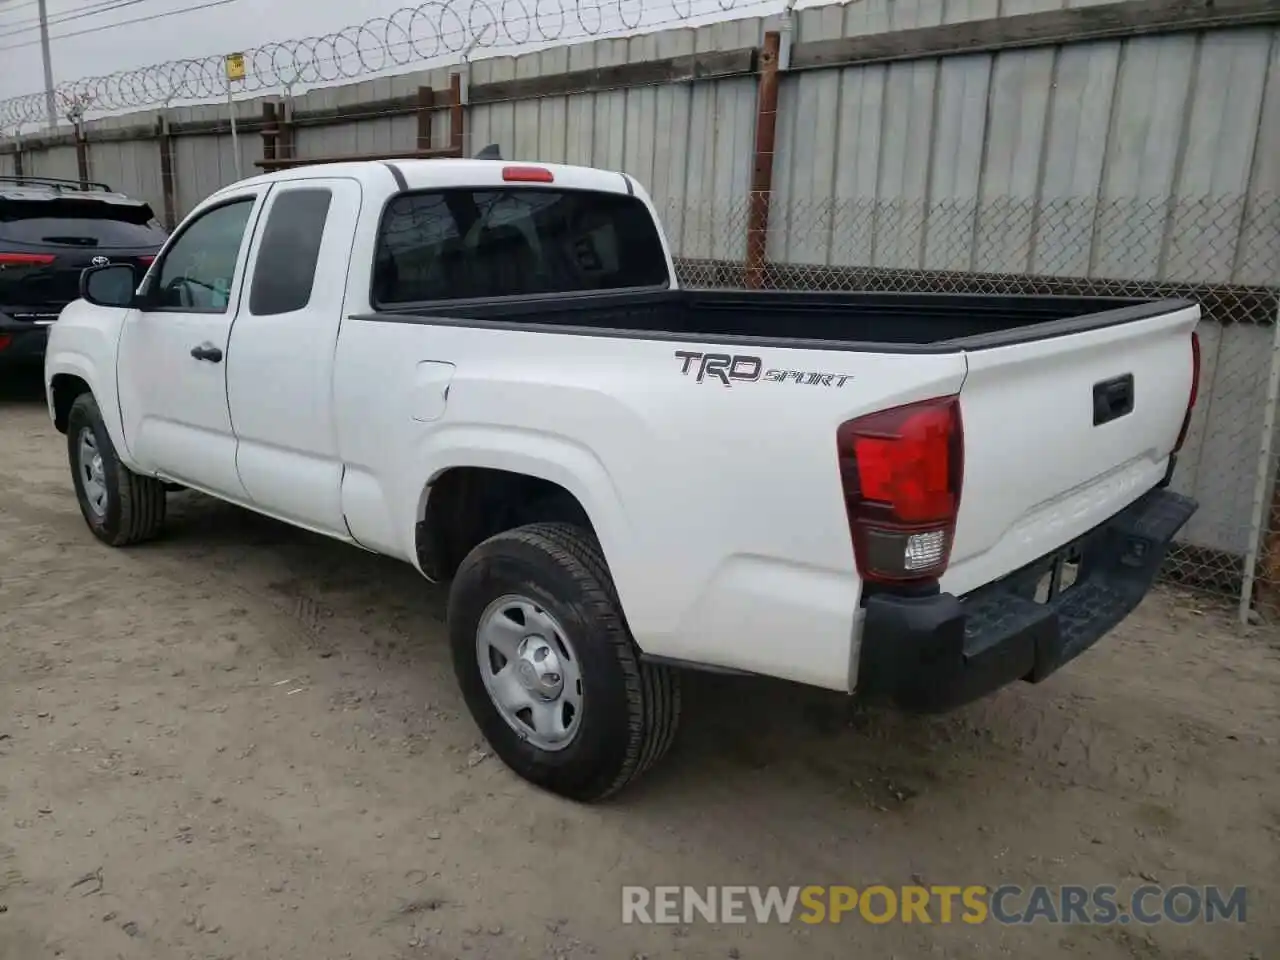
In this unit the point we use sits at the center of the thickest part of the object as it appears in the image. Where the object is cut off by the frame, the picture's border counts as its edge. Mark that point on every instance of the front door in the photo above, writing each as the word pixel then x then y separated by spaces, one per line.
pixel 172 358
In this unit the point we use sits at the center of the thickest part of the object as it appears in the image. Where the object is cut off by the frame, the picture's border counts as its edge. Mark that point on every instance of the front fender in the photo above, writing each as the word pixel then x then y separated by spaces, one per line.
pixel 82 344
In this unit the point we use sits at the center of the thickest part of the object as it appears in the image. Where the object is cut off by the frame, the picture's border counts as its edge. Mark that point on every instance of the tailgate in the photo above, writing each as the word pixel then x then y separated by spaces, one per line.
pixel 1063 432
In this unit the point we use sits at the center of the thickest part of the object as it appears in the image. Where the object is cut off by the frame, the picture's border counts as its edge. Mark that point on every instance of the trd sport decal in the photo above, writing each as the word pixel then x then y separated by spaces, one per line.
pixel 727 368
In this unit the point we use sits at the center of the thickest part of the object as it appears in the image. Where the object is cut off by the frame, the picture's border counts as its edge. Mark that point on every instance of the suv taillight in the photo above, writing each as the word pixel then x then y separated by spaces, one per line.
pixel 901 471
pixel 25 259
pixel 1195 391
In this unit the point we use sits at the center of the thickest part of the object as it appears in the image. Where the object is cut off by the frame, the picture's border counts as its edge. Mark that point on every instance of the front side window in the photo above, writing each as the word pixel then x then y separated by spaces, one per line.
pixel 509 242
pixel 198 270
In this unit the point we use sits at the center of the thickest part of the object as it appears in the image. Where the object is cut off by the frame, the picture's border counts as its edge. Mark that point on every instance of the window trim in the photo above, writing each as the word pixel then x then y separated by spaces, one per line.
pixel 153 274
pixel 284 189
pixel 378 306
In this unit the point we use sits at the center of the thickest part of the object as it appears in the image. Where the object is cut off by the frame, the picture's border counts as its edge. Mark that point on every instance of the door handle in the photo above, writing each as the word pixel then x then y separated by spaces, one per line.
pixel 1112 399
pixel 207 351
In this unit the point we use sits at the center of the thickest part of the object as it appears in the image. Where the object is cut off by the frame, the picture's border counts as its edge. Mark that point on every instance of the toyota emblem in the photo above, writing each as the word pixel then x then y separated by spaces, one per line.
pixel 99 261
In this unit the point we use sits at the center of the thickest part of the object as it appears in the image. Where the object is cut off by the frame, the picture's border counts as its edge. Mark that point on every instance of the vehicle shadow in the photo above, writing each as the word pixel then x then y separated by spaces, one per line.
pixel 739 733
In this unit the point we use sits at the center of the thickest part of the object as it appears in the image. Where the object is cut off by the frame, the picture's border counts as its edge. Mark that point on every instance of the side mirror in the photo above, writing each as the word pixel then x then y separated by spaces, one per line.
pixel 110 285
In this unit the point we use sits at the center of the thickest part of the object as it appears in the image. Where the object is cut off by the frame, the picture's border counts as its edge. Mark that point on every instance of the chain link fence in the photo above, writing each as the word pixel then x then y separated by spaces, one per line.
pixel 1222 252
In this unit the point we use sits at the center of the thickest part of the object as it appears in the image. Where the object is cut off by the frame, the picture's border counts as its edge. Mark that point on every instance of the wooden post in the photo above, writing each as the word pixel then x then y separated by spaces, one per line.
pixel 762 163
pixel 82 155
pixel 426 105
pixel 455 113
pixel 168 183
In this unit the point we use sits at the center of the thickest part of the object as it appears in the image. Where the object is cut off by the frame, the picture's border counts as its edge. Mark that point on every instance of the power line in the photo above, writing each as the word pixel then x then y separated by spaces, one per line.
pixel 15 7
pixel 10 8
pixel 104 6
pixel 124 23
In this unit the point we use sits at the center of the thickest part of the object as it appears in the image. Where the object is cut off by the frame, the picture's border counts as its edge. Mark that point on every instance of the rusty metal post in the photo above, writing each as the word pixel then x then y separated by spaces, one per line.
pixel 455 113
pixel 1263 584
pixel 286 145
pixel 168 184
pixel 426 106
pixel 762 161
pixel 269 130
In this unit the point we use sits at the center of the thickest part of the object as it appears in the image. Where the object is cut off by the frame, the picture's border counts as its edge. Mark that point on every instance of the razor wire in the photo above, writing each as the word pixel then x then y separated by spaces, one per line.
pixel 431 31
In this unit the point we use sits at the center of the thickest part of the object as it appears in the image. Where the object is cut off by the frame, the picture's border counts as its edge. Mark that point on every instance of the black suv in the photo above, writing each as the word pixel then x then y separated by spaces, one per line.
pixel 50 230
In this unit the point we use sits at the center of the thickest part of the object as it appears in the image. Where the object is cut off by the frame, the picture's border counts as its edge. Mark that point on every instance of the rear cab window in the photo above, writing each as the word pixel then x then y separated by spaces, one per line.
pixel 289 251
pixel 462 244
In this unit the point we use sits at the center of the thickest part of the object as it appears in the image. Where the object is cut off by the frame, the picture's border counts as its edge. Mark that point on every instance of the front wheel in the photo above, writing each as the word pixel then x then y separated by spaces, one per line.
pixel 120 506
pixel 548 668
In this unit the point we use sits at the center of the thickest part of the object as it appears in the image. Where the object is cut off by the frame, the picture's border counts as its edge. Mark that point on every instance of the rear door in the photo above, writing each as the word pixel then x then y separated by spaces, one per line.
pixel 280 362
pixel 48 238
pixel 1061 433
pixel 171 358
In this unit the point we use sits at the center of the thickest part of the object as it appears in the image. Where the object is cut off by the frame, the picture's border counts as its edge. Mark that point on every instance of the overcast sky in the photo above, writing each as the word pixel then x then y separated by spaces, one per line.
pixel 96 37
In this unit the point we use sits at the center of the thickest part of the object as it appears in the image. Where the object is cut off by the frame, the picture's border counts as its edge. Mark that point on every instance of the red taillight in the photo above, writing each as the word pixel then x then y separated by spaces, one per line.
pixel 5 340
pixel 25 259
pixel 901 470
pixel 1195 391
pixel 527 175
pixel 147 260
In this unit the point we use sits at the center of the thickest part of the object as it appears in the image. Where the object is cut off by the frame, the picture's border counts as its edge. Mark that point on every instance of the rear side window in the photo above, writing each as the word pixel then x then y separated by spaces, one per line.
pixel 510 242
pixel 286 266
pixel 70 222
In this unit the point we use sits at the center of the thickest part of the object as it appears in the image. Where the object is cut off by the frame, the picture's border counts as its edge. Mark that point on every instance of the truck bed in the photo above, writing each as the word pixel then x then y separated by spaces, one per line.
pixel 1071 406
pixel 907 321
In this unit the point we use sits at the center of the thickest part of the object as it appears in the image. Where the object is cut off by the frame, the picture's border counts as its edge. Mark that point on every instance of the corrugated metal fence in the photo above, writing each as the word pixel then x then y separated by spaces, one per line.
pixel 1126 148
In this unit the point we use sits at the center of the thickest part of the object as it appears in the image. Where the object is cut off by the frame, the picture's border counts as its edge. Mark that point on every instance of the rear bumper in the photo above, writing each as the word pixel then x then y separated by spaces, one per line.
pixel 931 654
pixel 22 342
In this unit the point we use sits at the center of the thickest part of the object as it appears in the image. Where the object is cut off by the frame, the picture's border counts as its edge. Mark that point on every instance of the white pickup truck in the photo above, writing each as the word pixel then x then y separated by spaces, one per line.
pixel 489 371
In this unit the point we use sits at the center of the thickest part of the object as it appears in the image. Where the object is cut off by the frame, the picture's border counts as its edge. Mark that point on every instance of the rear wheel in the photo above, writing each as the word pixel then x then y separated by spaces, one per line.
pixel 548 668
pixel 120 506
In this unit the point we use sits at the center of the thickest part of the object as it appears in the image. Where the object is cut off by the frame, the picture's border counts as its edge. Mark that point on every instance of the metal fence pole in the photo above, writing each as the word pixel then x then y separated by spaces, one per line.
pixel 235 134
pixel 1260 497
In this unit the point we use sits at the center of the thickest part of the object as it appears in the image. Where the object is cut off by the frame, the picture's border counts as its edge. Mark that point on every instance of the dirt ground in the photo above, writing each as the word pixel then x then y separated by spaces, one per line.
pixel 245 742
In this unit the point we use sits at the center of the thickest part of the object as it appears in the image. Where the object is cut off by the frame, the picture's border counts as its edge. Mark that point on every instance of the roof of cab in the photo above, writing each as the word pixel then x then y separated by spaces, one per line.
pixel 409 174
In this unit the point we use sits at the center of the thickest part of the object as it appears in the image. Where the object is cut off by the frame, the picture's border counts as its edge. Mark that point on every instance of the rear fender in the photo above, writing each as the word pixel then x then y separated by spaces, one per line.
pixel 556 459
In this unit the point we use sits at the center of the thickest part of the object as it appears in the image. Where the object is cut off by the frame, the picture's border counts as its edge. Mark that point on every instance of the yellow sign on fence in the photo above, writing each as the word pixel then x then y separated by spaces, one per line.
pixel 235 66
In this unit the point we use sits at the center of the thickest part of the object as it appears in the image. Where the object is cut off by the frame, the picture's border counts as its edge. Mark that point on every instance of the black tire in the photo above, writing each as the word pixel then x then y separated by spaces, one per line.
pixel 630 709
pixel 135 505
